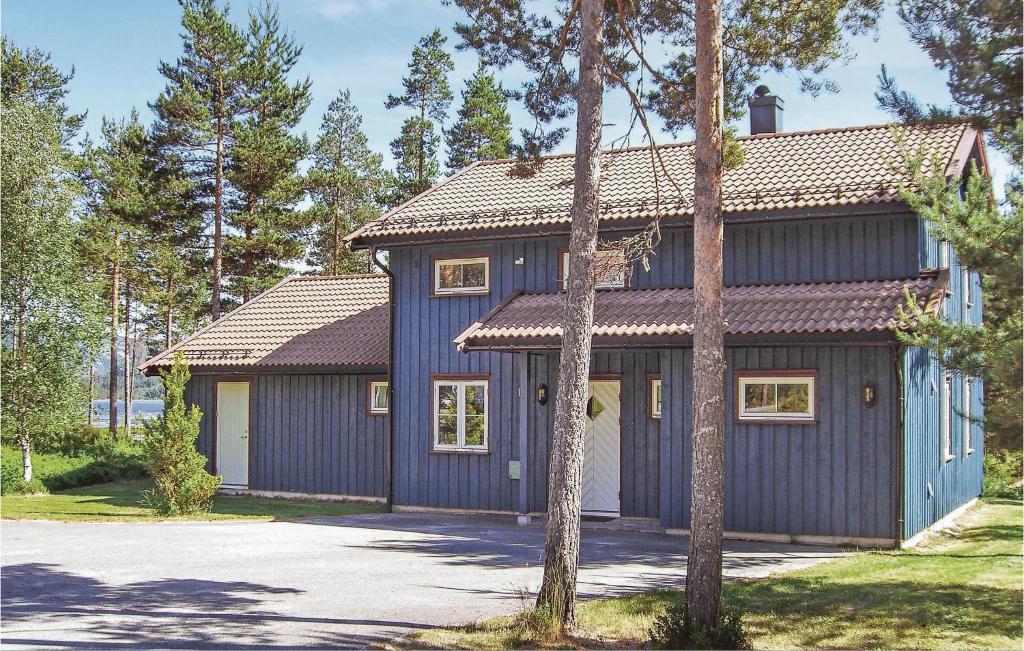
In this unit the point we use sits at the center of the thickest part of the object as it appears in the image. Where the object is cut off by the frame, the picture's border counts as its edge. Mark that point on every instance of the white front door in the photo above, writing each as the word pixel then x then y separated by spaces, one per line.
pixel 232 453
pixel 601 450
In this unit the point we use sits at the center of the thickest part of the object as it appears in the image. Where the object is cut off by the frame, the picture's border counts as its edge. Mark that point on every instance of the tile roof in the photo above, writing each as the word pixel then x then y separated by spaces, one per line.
pixel 302 321
pixel 791 170
pixel 823 308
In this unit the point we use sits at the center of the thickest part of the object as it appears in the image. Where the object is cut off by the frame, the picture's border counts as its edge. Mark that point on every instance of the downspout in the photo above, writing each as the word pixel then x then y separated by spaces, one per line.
pixel 897 357
pixel 389 489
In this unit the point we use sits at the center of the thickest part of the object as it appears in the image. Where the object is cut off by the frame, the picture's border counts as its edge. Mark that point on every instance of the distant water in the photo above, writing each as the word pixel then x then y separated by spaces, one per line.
pixel 141 410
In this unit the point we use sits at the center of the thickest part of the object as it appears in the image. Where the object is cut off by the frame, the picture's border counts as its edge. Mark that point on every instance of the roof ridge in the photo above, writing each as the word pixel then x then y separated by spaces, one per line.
pixel 750 137
pixel 351 237
pixel 338 277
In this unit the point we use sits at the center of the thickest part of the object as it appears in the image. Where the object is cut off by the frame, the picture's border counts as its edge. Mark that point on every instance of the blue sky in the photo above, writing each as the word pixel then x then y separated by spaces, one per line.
pixel 364 45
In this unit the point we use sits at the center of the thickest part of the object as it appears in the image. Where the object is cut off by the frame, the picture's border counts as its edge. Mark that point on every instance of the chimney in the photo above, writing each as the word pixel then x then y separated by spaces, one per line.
pixel 765 111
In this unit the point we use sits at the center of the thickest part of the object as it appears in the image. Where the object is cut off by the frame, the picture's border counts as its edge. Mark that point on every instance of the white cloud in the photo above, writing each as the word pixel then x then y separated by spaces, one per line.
pixel 335 9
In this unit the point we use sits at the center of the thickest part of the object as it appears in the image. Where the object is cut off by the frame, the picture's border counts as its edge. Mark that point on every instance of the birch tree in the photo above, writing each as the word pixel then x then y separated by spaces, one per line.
pixel 47 303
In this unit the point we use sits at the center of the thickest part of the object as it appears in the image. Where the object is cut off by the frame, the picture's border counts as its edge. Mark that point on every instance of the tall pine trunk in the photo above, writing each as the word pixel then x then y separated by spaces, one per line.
pixel 561 551
pixel 704 566
pixel 115 310
pixel 336 242
pixel 218 215
pixel 169 316
pixel 127 356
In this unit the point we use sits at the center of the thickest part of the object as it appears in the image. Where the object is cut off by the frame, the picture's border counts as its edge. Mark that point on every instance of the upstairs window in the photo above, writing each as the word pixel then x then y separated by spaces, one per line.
pixel 462 276
pixel 609 268
pixel 944 254
pixel 776 396
pixel 968 448
pixel 460 415
pixel 378 397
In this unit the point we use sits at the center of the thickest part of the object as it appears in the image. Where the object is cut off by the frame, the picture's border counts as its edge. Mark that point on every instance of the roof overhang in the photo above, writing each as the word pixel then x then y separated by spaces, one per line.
pixel 813 313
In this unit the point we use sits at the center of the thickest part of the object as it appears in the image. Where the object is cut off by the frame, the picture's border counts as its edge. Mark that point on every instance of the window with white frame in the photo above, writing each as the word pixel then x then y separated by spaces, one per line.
pixel 462 275
pixel 947 418
pixel 944 254
pixel 656 397
pixel 609 268
pixel 378 397
pixel 968 299
pixel 460 414
pixel 776 396
pixel 966 409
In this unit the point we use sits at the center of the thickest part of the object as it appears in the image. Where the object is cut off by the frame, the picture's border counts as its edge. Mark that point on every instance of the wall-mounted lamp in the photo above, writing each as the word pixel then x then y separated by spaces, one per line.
pixel 870 394
pixel 542 394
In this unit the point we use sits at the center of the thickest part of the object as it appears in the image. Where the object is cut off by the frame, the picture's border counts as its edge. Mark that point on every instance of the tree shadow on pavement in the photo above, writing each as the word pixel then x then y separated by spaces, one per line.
pixel 168 613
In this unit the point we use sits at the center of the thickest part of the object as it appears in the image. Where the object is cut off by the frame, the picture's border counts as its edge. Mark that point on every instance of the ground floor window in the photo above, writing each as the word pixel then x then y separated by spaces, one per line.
pixel 460 414
pixel 378 397
pixel 776 396
pixel 968 415
pixel 655 397
pixel 947 418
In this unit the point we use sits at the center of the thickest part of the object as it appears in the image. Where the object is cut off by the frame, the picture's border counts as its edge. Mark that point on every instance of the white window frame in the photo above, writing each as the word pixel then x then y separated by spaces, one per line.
pixel 656 400
pixel 618 282
pixel 967 413
pixel 968 301
pixel 744 379
pixel 446 291
pixel 944 254
pixel 460 387
pixel 946 426
pixel 374 408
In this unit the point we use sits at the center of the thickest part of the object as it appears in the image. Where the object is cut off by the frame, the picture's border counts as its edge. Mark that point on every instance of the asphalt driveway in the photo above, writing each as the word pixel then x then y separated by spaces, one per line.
pixel 336 582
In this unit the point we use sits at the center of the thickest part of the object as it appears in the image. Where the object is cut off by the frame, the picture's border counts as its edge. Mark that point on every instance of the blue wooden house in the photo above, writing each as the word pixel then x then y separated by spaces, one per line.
pixel 835 433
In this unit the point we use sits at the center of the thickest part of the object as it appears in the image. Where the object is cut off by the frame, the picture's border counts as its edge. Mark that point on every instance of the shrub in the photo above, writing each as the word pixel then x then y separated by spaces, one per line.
pixel 675 629
pixel 181 485
pixel 12 483
pixel 1003 474
pixel 98 463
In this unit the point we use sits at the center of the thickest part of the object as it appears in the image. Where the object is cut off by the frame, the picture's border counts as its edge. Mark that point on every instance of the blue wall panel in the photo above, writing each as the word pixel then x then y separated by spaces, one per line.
pixel 308 433
pixel 932 485
pixel 833 477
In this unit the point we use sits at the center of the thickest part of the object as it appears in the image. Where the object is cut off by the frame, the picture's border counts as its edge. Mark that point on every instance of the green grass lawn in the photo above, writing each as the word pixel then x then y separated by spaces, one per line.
pixel 121 501
pixel 961 590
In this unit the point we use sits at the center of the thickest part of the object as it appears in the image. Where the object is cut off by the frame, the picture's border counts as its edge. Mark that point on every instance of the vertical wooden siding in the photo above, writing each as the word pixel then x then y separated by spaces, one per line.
pixel 639 433
pixel 933 487
pixel 833 477
pixel 308 433
pixel 820 250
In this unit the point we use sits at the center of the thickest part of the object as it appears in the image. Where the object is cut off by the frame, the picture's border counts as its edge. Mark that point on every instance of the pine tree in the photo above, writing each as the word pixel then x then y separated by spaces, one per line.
pixel 344 183
pixel 980 44
pixel 177 296
pixel 427 92
pixel 200 106
pixel 265 158
pixel 119 181
pixel 483 130
pixel 50 326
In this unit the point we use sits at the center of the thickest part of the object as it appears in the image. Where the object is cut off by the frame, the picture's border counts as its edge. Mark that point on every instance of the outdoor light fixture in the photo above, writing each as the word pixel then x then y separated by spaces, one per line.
pixel 869 394
pixel 542 394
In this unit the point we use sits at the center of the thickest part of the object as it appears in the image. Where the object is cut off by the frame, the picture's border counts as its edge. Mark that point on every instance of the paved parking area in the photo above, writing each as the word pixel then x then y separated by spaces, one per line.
pixel 335 582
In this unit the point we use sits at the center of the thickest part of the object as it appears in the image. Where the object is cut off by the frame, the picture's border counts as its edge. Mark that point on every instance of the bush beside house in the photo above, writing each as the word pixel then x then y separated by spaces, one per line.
pixel 181 485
